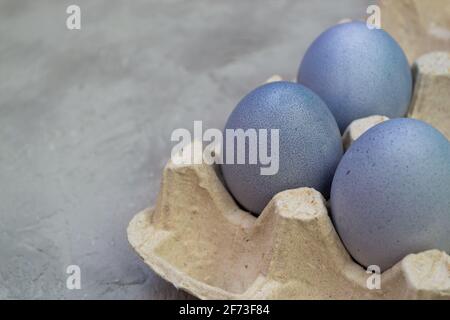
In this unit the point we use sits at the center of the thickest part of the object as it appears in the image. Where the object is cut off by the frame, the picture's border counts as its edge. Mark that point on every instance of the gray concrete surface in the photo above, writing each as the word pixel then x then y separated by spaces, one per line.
pixel 86 118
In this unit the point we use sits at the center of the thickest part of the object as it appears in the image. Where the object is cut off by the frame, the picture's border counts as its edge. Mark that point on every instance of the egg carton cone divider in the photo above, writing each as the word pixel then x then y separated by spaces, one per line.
pixel 197 238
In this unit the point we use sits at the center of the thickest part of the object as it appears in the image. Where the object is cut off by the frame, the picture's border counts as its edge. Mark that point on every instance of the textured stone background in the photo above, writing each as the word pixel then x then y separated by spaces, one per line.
pixel 86 118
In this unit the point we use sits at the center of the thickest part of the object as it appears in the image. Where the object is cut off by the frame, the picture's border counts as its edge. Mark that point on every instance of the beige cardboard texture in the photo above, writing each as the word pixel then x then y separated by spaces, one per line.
pixel 358 127
pixel 419 26
pixel 199 239
pixel 431 100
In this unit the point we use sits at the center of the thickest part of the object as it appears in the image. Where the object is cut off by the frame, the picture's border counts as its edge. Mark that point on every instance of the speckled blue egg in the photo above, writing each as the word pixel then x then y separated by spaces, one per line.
pixel 310 144
pixel 391 193
pixel 358 72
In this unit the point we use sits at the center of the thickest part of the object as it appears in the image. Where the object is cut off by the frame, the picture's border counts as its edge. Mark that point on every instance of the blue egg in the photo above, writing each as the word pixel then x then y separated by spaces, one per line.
pixel 309 144
pixel 391 193
pixel 358 72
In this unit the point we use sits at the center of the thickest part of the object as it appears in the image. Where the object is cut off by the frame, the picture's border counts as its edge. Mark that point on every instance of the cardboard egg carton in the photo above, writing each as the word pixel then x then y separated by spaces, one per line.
pixel 198 238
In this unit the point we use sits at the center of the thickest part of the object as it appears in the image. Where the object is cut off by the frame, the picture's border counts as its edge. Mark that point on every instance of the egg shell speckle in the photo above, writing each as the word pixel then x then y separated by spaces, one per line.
pixel 391 193
pixel 358 72
pixel 310 145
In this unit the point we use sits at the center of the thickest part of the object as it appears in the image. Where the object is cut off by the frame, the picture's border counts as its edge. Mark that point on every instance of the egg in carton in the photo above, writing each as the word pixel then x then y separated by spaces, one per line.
pixel 200 240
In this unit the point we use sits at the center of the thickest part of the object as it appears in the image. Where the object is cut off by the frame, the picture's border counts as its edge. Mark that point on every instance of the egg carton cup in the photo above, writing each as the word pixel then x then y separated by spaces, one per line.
pixel 200 240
